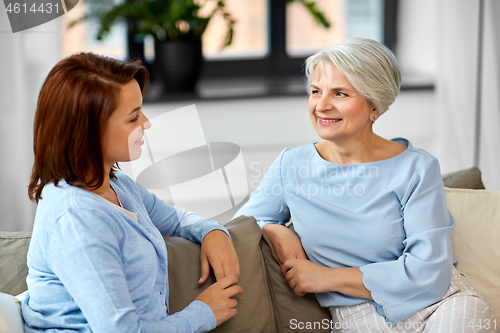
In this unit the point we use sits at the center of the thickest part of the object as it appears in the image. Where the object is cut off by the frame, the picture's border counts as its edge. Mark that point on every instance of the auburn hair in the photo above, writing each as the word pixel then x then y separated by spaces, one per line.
pixel 74 105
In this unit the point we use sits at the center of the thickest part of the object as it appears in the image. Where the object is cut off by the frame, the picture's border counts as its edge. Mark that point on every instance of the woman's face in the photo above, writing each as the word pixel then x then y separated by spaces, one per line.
pixel 336 109
pixel 123 135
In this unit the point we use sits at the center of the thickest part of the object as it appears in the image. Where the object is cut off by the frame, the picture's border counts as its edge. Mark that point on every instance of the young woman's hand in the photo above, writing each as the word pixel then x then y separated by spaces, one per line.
pixel 217 251
pixel 218 298
pixel 285 242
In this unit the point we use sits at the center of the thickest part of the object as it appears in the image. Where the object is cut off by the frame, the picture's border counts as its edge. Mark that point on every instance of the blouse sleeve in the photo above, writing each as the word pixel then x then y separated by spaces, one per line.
pixel 267 202
pixel 97 283
pixel 174 221
pixel 422 274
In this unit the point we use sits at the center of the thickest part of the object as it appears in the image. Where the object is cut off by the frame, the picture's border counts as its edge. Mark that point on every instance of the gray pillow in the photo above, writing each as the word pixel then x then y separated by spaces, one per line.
pixel 254 305
pixel 469 178
pixel 292 311
pixel 13 266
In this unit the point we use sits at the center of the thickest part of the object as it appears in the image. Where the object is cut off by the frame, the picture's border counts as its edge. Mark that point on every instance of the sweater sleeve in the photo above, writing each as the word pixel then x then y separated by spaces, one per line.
pixel 422 274
pixel 171 220
pixel 267 203
pixel 83 251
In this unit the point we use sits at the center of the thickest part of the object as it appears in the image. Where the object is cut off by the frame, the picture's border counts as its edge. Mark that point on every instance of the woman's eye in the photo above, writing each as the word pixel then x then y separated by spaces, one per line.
pixel 341 94
pixel 135 119
pixel 314 92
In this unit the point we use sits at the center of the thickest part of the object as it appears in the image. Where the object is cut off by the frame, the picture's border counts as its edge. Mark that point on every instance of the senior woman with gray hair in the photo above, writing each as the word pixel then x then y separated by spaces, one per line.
pixel 371 213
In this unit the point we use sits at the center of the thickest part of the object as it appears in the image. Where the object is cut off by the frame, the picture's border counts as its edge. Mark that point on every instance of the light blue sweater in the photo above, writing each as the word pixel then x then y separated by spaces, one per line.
pixel 387 217
pixel 92 268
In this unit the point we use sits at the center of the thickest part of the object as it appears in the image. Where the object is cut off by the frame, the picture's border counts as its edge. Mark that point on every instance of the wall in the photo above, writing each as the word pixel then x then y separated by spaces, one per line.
pixel 25 59
pixel 417 47
pixel 263 127
pixel 439 39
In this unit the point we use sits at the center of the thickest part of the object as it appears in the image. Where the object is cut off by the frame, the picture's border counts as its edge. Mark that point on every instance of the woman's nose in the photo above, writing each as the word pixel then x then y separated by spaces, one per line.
pixel 146 123
pixel 324 104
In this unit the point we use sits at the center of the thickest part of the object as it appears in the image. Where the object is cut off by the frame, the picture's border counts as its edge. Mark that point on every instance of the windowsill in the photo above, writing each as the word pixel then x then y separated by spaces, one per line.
pixel 257 87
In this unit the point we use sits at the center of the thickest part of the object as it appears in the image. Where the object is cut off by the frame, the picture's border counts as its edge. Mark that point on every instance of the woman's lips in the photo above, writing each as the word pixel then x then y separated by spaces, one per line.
pixel 329 121
pixel 140 142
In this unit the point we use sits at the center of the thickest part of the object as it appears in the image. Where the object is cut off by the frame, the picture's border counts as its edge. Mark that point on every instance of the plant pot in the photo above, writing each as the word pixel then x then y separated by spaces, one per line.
pixel 180 64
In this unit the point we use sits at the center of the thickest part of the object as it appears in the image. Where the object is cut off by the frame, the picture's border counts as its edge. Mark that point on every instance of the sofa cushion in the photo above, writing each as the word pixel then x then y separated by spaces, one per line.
pixel 469 178
pixel 13 266
pixel 292 312
pixel 476 239
pixel 254 305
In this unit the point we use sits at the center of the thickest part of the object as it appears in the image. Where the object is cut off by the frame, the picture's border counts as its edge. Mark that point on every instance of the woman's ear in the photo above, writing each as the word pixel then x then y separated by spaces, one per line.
pixel 376 115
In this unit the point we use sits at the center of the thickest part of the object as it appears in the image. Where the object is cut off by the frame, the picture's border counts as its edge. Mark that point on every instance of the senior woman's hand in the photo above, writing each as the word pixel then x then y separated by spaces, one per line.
pixel 285 242
pixel 217 251
pixel 304 276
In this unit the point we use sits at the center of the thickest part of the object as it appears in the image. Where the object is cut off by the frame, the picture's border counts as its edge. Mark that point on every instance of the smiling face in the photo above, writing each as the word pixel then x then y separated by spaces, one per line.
pixel 123 135
pixel 337 110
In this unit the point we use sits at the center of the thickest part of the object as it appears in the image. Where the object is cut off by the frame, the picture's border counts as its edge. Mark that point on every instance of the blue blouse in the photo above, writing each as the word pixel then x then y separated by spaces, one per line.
pixel 93 268
pixel 388 217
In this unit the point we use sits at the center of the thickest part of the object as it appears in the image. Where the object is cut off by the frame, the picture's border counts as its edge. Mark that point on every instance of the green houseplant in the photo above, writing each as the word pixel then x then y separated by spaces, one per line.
pixel 177 28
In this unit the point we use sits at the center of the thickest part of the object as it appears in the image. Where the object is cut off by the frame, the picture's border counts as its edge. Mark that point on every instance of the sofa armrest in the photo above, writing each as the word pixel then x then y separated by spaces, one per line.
pixel 11 320
pixel 476 239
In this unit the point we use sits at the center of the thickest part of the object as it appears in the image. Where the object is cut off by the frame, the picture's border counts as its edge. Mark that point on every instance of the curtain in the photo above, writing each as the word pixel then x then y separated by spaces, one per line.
pixel 456 83
pixel 489 153
pixel 25 60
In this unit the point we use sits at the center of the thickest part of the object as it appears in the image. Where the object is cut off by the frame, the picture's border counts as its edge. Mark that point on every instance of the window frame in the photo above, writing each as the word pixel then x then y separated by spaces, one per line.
pixel 278 73
pixel 277 62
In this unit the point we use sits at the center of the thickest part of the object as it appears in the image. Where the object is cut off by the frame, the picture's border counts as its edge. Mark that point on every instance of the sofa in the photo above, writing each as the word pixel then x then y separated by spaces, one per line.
pixel 268 304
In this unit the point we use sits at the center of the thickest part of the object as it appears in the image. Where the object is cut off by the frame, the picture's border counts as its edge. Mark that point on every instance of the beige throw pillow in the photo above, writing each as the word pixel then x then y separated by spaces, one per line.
pixel 476 239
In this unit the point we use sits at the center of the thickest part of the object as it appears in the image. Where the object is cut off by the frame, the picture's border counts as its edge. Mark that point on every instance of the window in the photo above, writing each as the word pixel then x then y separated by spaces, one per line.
pixel 271 39
pixel 250 37
pixel 305 36
pixel 293 34
pixel 81 37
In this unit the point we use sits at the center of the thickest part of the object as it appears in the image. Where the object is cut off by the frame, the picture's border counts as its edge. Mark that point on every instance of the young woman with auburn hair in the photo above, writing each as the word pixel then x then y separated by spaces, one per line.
pixel 97 260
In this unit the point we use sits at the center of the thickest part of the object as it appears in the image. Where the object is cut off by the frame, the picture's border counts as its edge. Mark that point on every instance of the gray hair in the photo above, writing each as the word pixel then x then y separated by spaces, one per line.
pixel 370 67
